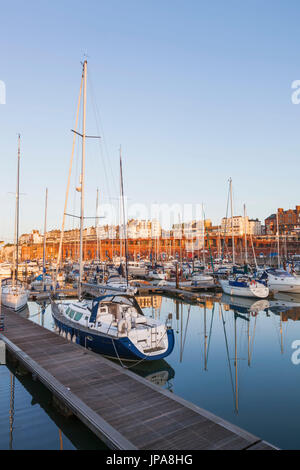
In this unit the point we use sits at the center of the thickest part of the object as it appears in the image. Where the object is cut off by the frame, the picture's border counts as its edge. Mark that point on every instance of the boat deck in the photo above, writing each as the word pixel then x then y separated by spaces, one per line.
pixel 123 409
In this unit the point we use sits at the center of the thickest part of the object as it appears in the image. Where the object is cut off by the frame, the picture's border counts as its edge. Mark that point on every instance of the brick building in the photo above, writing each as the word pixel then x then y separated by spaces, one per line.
pixel 288 221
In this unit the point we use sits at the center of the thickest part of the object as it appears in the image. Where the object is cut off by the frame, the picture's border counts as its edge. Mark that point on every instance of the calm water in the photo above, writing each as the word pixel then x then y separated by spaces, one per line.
pixel 29 421
pixel 232 357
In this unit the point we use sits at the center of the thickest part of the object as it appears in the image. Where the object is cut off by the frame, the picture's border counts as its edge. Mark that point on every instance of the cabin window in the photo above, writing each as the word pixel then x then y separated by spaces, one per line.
pixel 71 313
pixel 78 316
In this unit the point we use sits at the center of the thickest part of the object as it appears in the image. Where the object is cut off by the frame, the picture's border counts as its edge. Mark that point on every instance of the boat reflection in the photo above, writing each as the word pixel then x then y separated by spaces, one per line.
pixel 243 309
pixel 245 305
pixel 157 372
pixel 286 305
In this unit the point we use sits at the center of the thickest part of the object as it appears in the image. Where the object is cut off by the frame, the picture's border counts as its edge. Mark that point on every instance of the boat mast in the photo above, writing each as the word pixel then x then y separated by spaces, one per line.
pixel 124 222
pixel 278 240
pixel 82 178
pixel 121 228
pixel 232 234
pixel 17 207
pixel 203 237
pixel 96 225
pixel 245 229
pixel 44 247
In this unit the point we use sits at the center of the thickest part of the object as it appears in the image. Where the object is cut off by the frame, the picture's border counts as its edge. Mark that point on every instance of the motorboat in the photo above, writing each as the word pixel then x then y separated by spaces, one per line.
pixel 279 280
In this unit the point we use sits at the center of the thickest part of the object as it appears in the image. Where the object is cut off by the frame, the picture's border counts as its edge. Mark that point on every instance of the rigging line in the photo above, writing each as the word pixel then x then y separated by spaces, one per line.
pixel 99 126
pixel 69 177
pixel 98 119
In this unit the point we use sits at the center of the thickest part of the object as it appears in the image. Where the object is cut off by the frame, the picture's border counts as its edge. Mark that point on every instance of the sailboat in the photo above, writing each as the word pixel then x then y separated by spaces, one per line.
pixel 112 325
pixel 13 293
pixel 242 283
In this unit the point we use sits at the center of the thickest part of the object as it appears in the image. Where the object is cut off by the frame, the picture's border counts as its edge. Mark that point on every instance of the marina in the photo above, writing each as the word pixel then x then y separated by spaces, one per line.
pixel 150 229
pixel 205 337
pixel 122 421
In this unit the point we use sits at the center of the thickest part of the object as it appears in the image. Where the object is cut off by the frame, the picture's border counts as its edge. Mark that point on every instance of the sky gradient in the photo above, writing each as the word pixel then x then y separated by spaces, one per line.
pixel 195 91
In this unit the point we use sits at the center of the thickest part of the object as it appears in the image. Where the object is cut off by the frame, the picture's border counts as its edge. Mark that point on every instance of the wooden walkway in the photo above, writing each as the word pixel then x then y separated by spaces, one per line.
pixel 41 295
pixel 124 410
pixel 95 290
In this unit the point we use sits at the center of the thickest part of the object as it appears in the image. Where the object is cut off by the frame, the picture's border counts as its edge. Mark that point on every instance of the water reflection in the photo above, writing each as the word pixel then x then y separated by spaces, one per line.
pixel 244 305
pixel 158 372
pixel 68 433
pixel 232 356
pixel 11 410
pixel 286 305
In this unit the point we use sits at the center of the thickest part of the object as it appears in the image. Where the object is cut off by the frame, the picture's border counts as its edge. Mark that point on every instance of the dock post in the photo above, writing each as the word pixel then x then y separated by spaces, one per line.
pixel 2 353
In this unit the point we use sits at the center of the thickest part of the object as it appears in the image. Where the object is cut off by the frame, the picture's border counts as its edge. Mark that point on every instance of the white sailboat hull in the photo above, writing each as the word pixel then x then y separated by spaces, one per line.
pixel 14 300
pixel 255 290
pixel 158 276
pixel 203 281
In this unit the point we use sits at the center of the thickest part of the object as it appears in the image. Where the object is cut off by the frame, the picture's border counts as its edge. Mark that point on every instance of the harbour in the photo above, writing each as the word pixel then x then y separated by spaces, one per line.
pixel 68 378
pixel 213 346
pixel 150 229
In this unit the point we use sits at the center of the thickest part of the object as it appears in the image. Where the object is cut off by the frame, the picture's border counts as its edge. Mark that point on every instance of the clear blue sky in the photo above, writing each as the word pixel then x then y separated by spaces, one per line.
pixel 195 91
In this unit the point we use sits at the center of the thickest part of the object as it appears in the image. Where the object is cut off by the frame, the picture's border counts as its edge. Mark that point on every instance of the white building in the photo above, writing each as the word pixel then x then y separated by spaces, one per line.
pixel 240 226
pixel 194 229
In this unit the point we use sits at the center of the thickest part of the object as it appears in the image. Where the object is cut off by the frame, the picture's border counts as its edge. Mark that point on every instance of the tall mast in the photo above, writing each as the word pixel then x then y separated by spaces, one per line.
pixel 232 234
pixel 245 229
pixel 45 230
pixel 278 240
pixel 82 178
pixel 96 224
pixel 203 236
pixel 121 227
pixel 124 222
pixel 17 207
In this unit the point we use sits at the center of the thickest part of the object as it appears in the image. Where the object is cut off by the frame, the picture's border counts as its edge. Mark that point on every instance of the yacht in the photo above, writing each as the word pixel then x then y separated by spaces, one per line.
pixel 157 274
pixel 244 286
pixel 38 282
pixel 279 280
pixel 115 326
pixel 14 295
pixel 200 279
pixel 137 268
